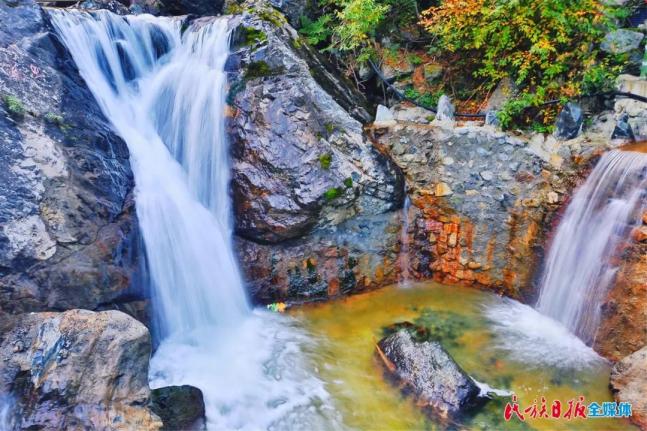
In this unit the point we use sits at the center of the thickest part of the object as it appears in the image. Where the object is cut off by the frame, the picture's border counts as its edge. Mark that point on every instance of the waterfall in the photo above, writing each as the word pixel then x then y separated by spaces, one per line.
pixel 580 267
pixel 162 85
pixel 403 256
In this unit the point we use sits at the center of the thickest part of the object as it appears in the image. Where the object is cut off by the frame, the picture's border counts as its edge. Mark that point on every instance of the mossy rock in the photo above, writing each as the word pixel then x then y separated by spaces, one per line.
pixel 248 36
pixel 14 106
pixel 179 407
pixel 444 327
pixel 333 193
pixel 258 69
pixel 325 160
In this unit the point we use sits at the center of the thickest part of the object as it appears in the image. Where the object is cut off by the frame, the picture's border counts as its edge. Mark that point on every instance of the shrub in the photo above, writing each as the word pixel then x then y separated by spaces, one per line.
pixel 14 106
pixel 550 48
pixel 333 193
pixel 325 160
pixel 251 36
pixel 346 25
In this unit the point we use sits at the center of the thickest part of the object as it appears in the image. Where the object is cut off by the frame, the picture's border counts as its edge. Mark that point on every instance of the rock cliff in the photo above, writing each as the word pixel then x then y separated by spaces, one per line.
pixel 68 233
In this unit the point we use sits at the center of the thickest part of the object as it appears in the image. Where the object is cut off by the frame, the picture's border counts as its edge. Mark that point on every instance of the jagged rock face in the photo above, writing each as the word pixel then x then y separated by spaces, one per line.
pixel 359 254
pixel 623 328
pixel 427 370
pixel 479 199
pixel 300 161
pixel 629 384
pixel 76 370
pixel 292 9
pixel 485 201
pixel 67 224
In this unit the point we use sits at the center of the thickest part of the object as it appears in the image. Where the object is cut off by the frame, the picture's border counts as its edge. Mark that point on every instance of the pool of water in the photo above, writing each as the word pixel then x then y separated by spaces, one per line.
pixel 500 342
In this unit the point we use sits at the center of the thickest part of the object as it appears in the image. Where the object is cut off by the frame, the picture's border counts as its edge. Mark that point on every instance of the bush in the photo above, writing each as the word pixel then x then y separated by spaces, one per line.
pixel 347 26
pixel 549 48
pixel 14 106
pixel 325 160
pixel 333 193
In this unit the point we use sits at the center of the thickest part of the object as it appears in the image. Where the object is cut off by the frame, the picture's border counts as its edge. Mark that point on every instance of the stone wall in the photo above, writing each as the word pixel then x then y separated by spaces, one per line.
pixel 484 201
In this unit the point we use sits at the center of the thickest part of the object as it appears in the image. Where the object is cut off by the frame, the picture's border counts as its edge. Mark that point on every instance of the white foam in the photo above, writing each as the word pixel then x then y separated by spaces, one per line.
pixel 169 108
pixel 258 376
pixel 530 337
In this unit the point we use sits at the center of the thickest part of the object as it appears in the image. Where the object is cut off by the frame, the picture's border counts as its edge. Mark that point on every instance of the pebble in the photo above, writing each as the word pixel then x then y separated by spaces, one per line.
pixel 487 175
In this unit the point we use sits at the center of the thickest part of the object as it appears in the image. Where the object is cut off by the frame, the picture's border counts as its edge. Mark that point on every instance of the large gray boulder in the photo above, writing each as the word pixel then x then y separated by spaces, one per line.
pixel 68 233
pixel 75 370
pixel 300 160
pixel 621 41
pixel 427 370
pixel 293 9
pixel 629 384
pixel 569 122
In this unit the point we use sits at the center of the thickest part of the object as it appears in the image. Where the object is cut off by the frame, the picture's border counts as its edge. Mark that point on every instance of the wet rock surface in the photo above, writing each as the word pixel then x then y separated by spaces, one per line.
pixel 621 41
pixel 629 384
pixel 623 328
pixel 357 255
pixel 68 234
pixel 631 114
pixel 485 201
pixel 179 407
pixel 300 160
pixel 76 370
pixel 426 370
pixel 569 121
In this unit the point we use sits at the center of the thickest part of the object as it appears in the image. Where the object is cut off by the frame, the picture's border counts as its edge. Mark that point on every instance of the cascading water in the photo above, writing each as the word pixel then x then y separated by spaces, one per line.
pixel 405 275
pixel 163 88
pixel 579 268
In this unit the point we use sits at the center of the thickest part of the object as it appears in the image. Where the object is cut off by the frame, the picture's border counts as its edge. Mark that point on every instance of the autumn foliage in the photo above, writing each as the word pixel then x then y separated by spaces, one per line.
pixel 549 48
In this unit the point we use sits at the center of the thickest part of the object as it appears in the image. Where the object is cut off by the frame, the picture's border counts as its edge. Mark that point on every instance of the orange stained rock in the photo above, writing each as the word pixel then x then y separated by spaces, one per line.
pixel 379 273
pixel 639 234
pixel 468 229
pixel 509 277
pixel 483 278
pixel 638 147
pixel 333 286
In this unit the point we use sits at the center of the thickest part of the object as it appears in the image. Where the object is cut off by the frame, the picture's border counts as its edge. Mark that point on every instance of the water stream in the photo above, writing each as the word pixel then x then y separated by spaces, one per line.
pixel 542 358
pixel 162 85
pixel 580 268
pixel 163 88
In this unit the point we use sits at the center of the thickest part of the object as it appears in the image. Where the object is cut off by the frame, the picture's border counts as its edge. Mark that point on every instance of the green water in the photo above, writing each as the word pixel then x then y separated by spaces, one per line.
pixel 347 330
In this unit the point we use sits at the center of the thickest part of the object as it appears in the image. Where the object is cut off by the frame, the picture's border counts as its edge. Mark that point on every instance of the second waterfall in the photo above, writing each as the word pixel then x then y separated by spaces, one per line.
pixel 163 88
pixel 580 267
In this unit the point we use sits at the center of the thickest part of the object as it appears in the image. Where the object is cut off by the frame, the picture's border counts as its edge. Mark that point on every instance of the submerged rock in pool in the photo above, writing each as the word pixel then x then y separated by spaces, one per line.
pixel 180 407
pixel 427 370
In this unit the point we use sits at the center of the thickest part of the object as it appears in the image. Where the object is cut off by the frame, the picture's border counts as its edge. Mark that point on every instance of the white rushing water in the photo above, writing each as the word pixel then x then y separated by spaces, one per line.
pixel 163 88
pixel 580 268
pixel 533 339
